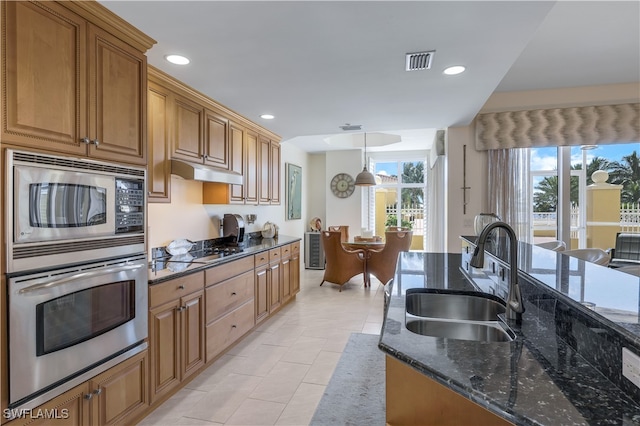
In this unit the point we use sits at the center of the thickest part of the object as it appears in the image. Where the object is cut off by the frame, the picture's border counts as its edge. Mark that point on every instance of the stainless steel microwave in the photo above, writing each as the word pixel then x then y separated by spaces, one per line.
pixel 63 210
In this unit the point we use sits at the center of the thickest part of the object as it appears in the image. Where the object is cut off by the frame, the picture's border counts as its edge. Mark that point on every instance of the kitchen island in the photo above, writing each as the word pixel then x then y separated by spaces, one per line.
pixel 563 367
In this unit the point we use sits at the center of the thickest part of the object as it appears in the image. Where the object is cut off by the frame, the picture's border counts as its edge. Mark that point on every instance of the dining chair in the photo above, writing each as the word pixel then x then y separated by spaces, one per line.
pixel 341 264
pixel 555 245
pixel 398 228
pixel 344 229
pixel 382 263
pixel 593 255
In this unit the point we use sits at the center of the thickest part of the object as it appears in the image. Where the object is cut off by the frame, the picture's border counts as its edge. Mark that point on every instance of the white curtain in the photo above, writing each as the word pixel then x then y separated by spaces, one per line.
pixel 510 188
pixel 435 235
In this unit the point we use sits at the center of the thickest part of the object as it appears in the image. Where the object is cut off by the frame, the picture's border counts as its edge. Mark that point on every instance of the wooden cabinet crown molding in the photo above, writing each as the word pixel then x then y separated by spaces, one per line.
pixel 103 17
pixel 160 77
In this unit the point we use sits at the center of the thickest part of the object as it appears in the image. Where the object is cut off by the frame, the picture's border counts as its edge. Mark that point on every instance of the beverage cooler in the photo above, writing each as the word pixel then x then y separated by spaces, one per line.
pixel 313 252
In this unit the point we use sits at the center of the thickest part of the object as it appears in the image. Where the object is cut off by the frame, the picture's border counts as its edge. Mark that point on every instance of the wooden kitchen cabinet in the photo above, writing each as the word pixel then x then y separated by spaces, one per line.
pixel 275 279
pixel 121 393
pixel 295 268
pixel 262 284
pixel 176 332
pixel 73 86
pixel 285 262
pixel 160 109
pixel 412 397
pixel 269 171
pixel 229 295
pixel 116 396
pixel 201 134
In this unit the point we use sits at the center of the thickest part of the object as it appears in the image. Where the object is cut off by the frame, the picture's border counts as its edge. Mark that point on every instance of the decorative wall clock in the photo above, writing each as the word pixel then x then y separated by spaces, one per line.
pixel 342 185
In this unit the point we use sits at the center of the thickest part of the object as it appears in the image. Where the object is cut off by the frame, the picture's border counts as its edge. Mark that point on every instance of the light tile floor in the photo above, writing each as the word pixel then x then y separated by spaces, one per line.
pixel 278 373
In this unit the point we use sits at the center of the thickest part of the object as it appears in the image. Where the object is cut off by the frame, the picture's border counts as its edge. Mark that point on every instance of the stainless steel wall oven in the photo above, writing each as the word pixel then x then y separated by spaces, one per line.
pixel 67 210
pixel 76 271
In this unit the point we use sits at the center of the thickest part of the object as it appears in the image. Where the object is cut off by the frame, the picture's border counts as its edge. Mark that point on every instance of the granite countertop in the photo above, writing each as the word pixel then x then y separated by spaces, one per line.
pixel 159 273
pixel 545 376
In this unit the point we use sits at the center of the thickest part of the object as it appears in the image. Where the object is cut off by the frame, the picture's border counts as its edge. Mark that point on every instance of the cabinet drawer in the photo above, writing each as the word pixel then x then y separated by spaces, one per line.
pixel 286 251
pixel 261 258
pixel 295 247
pixel 175 289
pixel 220 273
pixel 275 255
pixel 228 295
pixel 228 329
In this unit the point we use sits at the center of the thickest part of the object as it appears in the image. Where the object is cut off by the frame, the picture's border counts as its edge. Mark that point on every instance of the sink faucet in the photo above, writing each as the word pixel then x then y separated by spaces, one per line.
pixel 515 308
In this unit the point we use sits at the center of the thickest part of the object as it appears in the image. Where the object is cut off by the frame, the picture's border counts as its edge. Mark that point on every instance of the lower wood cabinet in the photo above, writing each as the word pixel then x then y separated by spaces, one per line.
pixel 412 397
pixel 230 305
pixel 295 268
pixel 176 331
pixel 114 397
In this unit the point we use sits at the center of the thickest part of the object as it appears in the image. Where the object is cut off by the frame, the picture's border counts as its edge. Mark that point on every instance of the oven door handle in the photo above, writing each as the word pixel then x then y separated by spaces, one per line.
pixel 48 282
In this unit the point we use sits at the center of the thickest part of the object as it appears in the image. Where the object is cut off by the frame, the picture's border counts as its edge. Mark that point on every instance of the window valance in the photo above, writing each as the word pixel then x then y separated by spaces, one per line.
pixel 588 125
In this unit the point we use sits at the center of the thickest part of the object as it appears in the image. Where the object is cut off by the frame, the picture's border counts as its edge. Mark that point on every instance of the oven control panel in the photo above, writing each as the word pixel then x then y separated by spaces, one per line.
pixel 129 205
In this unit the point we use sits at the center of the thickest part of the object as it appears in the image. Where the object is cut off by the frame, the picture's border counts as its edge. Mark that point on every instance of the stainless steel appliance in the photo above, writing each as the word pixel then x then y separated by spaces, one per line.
pixel 233 226
pixel 64 210
pixel 66 325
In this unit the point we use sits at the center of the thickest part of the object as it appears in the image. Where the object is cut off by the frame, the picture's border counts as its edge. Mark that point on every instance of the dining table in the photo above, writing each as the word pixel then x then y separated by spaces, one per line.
pixel 367 245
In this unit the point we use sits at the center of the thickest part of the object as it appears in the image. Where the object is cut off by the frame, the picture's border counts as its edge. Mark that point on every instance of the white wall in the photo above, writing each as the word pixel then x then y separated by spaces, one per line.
pixel 343 211
pixel 186 216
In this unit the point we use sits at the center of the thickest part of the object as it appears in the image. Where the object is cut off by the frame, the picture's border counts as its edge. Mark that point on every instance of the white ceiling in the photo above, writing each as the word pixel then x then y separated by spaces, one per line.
pixel 317 65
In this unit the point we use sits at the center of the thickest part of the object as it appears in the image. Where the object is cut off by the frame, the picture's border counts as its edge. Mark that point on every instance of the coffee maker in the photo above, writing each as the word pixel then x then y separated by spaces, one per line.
pixel 233 226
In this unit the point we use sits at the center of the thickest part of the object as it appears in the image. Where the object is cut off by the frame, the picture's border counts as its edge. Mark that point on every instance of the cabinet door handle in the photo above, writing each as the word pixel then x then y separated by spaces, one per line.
pixel 181 308
pixel 97 391
pixel 96 142
pixel 180 287
pixel 234 326
pixel 85 140
pixel 233 293
pixel 88 396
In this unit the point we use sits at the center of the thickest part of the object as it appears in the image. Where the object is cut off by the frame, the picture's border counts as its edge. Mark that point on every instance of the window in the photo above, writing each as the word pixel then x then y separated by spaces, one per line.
pixel 400 196
pixel 619 160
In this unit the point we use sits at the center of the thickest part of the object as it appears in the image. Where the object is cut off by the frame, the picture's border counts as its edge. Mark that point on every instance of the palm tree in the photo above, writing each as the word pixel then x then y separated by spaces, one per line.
pixel 627 174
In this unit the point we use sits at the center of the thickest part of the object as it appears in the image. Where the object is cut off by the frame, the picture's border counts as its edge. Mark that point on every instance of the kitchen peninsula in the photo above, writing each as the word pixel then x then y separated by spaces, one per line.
pixel 563 367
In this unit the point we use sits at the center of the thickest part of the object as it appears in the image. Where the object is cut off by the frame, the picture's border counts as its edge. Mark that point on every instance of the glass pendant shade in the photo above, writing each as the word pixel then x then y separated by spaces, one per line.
pixel 365 177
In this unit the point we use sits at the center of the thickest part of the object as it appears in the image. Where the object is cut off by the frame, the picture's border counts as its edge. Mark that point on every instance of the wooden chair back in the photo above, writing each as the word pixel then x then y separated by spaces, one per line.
pixel 341 264
pixel 398 229
pixel 382 263
pixel 344 229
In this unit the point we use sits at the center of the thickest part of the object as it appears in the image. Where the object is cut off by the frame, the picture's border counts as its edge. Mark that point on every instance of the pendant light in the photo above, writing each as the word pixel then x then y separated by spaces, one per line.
pixel 365 177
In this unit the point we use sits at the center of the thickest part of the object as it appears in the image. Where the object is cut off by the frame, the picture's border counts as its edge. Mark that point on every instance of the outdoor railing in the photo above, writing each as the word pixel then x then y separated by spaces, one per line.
pixel 413 214
pixel 629 219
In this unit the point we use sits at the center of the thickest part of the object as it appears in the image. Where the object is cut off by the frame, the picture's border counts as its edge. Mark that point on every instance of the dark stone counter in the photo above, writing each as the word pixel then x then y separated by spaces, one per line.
pixel 564 367
pixel 158 272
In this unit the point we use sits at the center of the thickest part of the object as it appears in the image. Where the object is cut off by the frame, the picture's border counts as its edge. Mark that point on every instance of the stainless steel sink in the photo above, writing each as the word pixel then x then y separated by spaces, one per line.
pixel 489 331
pixel 472 307
pixel 457 315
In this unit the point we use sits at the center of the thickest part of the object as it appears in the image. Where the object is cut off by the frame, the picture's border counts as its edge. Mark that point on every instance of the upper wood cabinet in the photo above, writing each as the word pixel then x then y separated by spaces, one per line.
pixel 201 134
pixel 70 85
pixel 160 108
pixel 269 169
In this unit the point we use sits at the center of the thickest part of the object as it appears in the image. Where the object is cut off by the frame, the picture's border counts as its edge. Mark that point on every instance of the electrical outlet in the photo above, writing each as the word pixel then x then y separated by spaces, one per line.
pixel 631 366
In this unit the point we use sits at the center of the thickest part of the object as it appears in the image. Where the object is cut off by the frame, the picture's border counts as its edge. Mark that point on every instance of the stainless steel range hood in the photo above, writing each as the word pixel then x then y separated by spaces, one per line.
pixel 203 173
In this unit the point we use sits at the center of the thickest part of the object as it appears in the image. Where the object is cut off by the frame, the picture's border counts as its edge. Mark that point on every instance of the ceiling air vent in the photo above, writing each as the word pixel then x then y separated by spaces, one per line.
pixel 419 60
pixel 348 127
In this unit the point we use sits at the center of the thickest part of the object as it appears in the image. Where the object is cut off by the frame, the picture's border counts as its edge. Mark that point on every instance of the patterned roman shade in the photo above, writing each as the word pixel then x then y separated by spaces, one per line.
pixel 589 125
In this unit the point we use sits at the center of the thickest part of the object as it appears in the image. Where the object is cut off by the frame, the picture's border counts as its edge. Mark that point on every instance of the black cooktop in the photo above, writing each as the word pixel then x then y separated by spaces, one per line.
pixel 182 262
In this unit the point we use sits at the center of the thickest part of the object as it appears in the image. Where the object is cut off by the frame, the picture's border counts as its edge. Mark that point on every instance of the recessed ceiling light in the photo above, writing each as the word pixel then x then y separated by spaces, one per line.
pixel 454 70
pixel 267 116
pixel 177 59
